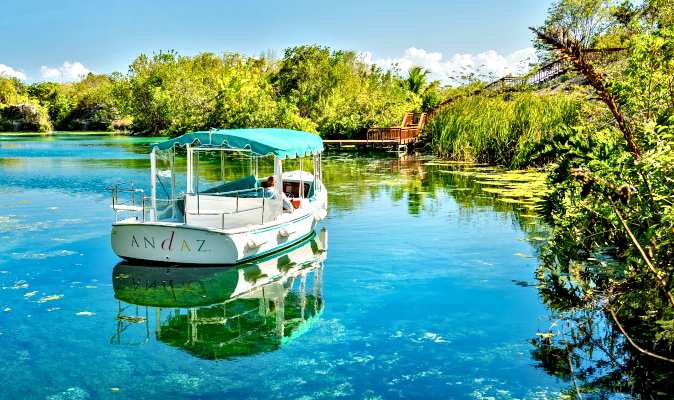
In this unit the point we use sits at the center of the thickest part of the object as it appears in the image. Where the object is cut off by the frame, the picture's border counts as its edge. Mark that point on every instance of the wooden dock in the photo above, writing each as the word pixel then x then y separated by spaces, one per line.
pixel 356 142
pixel 398 138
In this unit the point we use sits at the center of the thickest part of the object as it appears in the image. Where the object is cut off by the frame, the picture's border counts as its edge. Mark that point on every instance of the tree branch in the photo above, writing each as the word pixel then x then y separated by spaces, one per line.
pixel 571 50
pixel 629 339
pixel 568 358
pixel 662 282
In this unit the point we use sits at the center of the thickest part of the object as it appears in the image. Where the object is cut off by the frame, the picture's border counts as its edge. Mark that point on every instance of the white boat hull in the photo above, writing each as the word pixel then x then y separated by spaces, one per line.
pixel 187 244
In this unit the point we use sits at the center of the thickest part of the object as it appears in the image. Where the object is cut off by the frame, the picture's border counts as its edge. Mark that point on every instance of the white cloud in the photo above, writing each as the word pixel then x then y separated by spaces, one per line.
pixel 66 72
pixel 486 64
pixel 7 71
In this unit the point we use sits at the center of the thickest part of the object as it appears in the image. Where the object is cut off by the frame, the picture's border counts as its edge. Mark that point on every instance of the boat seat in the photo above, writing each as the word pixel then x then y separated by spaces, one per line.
pixel 245 183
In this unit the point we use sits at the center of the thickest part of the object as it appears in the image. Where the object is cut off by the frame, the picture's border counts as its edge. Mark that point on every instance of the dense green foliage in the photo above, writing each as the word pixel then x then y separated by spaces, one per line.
pixel 18 109
pixel 607 270
pixel 89 104
pixel 311 88
pixel 342 95
pixel 506 130
pixel 417 83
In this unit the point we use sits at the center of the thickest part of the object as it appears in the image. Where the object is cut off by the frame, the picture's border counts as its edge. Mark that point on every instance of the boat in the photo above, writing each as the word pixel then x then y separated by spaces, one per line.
pixel 222 312
pixel 224 219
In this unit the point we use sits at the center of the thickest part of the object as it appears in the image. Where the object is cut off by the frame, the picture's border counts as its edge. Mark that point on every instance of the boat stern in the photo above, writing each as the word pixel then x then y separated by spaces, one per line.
pixel 172 243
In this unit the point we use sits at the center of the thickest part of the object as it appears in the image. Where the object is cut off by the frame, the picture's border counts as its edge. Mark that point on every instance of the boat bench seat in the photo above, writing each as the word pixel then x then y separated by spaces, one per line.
pixel 245 183
pixel 229 212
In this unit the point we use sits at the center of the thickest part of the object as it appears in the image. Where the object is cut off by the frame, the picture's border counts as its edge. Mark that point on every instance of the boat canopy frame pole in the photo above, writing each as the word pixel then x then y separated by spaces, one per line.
pixel 188 188
pixel 153 183
pixel 172 161
pixel 256 166
pixel 195 182
pixel 222 166
pixel 278 176
pixel 319 166
pixel 196 175
pixel 315 159
pixel 301 191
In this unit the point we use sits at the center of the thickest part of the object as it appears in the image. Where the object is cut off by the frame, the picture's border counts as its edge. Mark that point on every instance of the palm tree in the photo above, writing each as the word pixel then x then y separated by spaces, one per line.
pixel 416 80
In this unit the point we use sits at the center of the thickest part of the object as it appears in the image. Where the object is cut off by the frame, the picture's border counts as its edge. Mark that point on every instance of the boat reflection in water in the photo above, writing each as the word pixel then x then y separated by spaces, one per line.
pixel 223 312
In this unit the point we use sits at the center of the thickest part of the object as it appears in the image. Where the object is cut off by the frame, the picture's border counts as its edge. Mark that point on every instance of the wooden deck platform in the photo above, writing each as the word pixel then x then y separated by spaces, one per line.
pixel 356 142
pixel 396 137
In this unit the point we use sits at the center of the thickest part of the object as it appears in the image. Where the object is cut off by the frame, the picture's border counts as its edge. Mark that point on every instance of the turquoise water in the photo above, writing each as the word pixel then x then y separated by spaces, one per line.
pixel 420 294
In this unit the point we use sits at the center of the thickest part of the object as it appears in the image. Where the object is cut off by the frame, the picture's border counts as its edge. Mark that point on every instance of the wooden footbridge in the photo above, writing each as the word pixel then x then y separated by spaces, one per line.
pixel 534 79
pixel 395 137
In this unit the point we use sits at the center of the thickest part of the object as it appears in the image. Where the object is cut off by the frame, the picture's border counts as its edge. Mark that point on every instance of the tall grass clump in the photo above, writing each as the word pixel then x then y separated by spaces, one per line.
pixel 506 130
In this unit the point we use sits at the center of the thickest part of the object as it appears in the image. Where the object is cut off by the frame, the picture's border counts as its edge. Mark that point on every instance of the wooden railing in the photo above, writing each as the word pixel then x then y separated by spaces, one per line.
pixel 410 128
pixel 544 74
pixel 394 133
pixel 548 71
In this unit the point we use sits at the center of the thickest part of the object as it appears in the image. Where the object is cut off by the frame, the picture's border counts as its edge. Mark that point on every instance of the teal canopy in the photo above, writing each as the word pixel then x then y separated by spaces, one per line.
pixel 283 143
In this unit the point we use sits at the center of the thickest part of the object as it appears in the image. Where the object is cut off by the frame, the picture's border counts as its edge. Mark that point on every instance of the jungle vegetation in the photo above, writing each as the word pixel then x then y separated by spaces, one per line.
pixel 312 88
pixel 604 132
pixel 607 269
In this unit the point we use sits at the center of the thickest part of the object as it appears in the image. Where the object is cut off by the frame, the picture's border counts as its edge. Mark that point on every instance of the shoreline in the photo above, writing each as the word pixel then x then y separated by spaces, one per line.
pixel 77 133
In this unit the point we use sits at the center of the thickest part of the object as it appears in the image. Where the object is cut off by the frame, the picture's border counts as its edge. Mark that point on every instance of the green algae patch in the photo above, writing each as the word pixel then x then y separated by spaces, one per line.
pixel 522 255
pixel 50 298
pixel 448 162
pixel 520 187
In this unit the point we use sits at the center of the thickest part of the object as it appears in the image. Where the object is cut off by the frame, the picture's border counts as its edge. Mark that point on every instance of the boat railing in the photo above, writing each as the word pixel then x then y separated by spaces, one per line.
pixel 234 192
pixel 222 214
pixel 237 197
pixel 241 205
pixel 135 203
pixel 129 315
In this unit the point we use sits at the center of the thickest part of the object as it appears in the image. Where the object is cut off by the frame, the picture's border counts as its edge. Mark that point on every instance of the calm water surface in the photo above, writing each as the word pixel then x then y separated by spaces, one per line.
pixel 417 296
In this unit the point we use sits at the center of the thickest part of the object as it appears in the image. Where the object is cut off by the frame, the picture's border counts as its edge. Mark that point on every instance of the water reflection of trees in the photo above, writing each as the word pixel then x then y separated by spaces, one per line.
pixel 421 183
pixel 584 345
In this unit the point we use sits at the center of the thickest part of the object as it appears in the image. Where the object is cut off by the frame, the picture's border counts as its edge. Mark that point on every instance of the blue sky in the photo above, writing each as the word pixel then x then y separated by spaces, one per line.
pixel 104 36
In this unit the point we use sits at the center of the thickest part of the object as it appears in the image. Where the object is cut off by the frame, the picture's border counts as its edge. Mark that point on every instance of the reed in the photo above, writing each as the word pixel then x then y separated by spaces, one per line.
pixel 508 130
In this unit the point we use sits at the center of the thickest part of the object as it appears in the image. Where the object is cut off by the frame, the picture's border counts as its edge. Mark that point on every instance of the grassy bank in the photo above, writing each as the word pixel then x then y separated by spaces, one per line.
pixel 64 133
pixel 507 130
